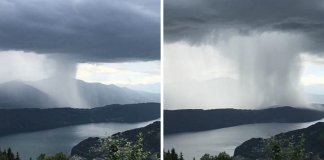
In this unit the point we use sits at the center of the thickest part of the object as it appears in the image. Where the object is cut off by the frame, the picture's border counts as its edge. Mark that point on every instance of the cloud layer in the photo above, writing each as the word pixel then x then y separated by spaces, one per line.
pixel 194 20
pixel 86 30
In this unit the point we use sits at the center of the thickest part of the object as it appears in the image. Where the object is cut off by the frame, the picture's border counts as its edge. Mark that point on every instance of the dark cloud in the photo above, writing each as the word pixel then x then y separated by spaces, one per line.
pixel 87 30
pixel 192 20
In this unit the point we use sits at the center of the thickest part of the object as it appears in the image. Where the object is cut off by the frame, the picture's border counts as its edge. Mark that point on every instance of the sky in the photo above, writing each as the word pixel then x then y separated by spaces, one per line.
pixel 243 54
pixel 103 41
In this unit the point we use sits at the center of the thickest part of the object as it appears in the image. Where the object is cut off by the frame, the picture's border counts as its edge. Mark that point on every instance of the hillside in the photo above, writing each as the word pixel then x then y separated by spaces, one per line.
pixel 90 148
pixel 30 119
pixel 314 143
pixel 193 120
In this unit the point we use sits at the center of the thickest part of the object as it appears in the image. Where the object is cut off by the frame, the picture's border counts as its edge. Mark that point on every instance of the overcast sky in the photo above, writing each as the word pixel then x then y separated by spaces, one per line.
pixel 79 37
pixel 243 54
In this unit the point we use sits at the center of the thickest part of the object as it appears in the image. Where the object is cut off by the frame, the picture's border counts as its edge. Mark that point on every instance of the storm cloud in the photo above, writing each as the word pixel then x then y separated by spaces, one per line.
pixel 85 30
pixel 193 20
pixel 263 40
pixel 51 37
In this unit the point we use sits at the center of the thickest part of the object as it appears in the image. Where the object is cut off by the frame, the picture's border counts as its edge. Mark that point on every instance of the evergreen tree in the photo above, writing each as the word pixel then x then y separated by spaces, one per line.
pixel 207 157
pixel 174 155
pixel 10 155
pixel 58 156
pixel 171 155
pixel 17 156
pixel 181 156
pixel 223 156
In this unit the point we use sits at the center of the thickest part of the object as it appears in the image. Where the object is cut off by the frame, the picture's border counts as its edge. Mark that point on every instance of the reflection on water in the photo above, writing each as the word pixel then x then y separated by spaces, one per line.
pixel 61 139
pixel 227 139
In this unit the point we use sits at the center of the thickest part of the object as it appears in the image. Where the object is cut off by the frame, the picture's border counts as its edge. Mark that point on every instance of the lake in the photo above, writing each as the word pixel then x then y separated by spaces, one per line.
pixel 52 141
pixel 195 144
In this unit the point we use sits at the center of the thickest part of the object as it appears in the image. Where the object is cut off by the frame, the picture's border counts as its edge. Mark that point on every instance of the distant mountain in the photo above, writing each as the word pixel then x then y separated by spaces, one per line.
pixel 255 147
pixel 193 120
pixel 51 93
pixel 77 93
pixel 154 88
pixel 17 94
pixel 32 119
pixel 89 148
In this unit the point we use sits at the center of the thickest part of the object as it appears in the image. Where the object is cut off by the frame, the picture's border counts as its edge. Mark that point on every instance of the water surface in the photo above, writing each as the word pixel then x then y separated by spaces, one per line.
pixel 195 144
pixel 61 139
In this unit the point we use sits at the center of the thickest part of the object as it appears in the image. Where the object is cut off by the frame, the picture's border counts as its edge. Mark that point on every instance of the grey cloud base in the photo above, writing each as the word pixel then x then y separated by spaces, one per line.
pixel 193 21
pixel 95 31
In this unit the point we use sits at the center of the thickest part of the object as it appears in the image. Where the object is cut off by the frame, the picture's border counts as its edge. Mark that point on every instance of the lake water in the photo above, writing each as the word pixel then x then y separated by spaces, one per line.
pixel 61 139
pixel 196 144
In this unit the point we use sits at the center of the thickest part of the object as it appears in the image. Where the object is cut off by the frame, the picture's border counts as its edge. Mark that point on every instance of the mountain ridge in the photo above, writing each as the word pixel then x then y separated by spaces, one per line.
pixel 72 93
pixel 35 119
pixel 194 120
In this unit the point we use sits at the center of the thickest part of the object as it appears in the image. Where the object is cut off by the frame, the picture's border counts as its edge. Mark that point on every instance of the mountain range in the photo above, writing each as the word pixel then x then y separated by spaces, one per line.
pixel 34 119
pixel 194 120
pixel 52 92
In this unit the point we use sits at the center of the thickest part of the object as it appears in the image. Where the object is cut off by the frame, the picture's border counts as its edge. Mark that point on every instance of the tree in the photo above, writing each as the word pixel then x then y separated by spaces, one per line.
pixel 220 156
pixel 118 148
pixel 181 156
pixel 58 156
pixel 207 157
pixel 10 155
pixel 292 148
pixel 17 156
pixel 223 156
pixel 174 155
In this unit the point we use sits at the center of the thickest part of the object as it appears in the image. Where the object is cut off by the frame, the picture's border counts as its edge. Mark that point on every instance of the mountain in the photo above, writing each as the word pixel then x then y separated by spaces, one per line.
pixel 68 92
pixel 16 94
pixel 73 92
pixel 313 136
pixel 33 119
pixel 193 120
pixel 90 148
